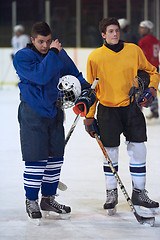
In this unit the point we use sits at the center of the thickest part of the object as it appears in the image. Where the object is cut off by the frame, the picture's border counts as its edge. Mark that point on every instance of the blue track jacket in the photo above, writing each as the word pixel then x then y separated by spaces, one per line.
pixel 39 77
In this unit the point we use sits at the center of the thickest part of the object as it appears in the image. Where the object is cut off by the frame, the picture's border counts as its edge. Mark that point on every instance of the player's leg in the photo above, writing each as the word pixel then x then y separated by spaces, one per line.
pixel 49 187
pixel 53 169
pixel 154 109
pixel 135 133
pixel 33 174
pixel 110 180
pixel 34 146
pixel 137 153
pixel 110 128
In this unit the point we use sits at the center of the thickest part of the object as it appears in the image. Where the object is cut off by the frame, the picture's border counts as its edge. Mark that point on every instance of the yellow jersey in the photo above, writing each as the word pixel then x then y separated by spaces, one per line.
pixel 116 71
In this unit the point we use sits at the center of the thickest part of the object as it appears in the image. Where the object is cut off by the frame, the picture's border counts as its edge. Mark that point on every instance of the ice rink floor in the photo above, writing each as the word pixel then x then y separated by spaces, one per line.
pixel 83 173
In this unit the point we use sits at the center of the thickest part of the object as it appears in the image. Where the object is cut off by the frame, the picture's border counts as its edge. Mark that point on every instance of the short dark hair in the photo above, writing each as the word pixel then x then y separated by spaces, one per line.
pixel 40 28
pixel 106 22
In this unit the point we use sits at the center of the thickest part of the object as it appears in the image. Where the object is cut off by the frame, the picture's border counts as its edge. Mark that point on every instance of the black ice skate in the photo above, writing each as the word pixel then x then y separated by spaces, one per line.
pixel 33 210
pixel 50 207
pixel 111 201
pixel 143 203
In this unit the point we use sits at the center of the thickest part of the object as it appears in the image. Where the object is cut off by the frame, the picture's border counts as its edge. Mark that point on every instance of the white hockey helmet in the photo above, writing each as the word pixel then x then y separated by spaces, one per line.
pixel 123 23
pixel 69 90
pixel 18 28
pixel 146 24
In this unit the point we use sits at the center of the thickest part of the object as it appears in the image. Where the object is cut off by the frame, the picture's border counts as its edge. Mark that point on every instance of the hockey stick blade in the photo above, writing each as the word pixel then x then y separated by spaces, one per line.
pixel 62 186
pixel 145 220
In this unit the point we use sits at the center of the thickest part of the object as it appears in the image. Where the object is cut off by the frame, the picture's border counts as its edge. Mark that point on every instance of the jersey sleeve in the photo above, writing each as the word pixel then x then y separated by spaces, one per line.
pixel 28 67
pixel 148 67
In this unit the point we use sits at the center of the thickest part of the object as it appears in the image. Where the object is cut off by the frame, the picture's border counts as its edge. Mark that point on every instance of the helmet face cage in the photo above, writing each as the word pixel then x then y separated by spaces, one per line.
pixel 139 84
pixel 138 87
pixel 145 77
pixel 69 90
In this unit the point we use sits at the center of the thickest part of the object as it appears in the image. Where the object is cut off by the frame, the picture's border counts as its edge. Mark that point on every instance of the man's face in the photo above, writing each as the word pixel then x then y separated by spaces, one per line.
pixel 18 33
pixel 112 34
pixel 42 43
pixel 143 31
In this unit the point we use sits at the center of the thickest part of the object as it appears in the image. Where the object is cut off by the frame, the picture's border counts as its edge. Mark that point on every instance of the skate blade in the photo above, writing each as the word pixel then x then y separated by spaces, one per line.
pixel 146 211
pixel 50 214
pixel 111 211
pixel 35 221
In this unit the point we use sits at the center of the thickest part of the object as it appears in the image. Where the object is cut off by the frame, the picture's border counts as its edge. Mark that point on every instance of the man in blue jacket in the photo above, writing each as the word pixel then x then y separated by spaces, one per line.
pixel 39 67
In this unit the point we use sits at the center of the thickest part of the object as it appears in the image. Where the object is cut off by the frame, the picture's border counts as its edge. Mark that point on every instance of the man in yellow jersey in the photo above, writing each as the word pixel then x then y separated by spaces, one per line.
pixel 116 64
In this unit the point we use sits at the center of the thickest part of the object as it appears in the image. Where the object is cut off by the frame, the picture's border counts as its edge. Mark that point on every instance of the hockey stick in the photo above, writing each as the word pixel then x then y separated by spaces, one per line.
pixel 78 116
pixel 140 219
pixel 72 128
pixel 62 186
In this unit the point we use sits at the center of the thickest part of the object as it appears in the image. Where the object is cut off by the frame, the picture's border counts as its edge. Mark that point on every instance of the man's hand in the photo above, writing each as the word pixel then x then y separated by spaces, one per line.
pixel 56 44
pixel 91 126
pixel 147 97
pixel 84 102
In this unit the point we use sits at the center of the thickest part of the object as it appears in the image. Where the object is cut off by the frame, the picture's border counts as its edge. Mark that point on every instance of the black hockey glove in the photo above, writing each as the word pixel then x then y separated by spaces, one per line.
pixel 146 99
pixel 84 102
pixel 91 126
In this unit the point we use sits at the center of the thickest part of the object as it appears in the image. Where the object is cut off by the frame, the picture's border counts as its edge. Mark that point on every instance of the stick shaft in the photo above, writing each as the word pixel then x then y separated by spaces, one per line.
pixel 72 128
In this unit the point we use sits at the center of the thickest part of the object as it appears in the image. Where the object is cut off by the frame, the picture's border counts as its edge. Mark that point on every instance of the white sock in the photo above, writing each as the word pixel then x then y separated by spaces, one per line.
pixel 111 182
pixel 137 153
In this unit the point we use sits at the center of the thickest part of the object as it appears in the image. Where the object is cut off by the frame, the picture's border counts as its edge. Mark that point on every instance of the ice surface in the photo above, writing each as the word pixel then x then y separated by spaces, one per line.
pixel 83 173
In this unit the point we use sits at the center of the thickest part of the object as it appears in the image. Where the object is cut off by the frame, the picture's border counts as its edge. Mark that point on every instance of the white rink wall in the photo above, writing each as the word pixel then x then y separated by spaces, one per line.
pixel 7 71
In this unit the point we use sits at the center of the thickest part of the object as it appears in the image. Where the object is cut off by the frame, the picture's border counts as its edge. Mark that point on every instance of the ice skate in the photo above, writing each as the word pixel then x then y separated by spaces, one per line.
pixel 33 210
pixel 143 204
pixel 52 208
pixel 111 201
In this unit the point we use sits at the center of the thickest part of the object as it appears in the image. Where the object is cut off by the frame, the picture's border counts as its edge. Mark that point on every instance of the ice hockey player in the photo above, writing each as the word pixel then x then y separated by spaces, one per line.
pixel 151 47
pixel 40 66
pixel 19 40
pixel 126 34
pixel 116 64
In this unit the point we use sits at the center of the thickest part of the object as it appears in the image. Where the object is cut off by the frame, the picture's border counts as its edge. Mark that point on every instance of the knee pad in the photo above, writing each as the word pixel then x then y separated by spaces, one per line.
pixel 137 152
